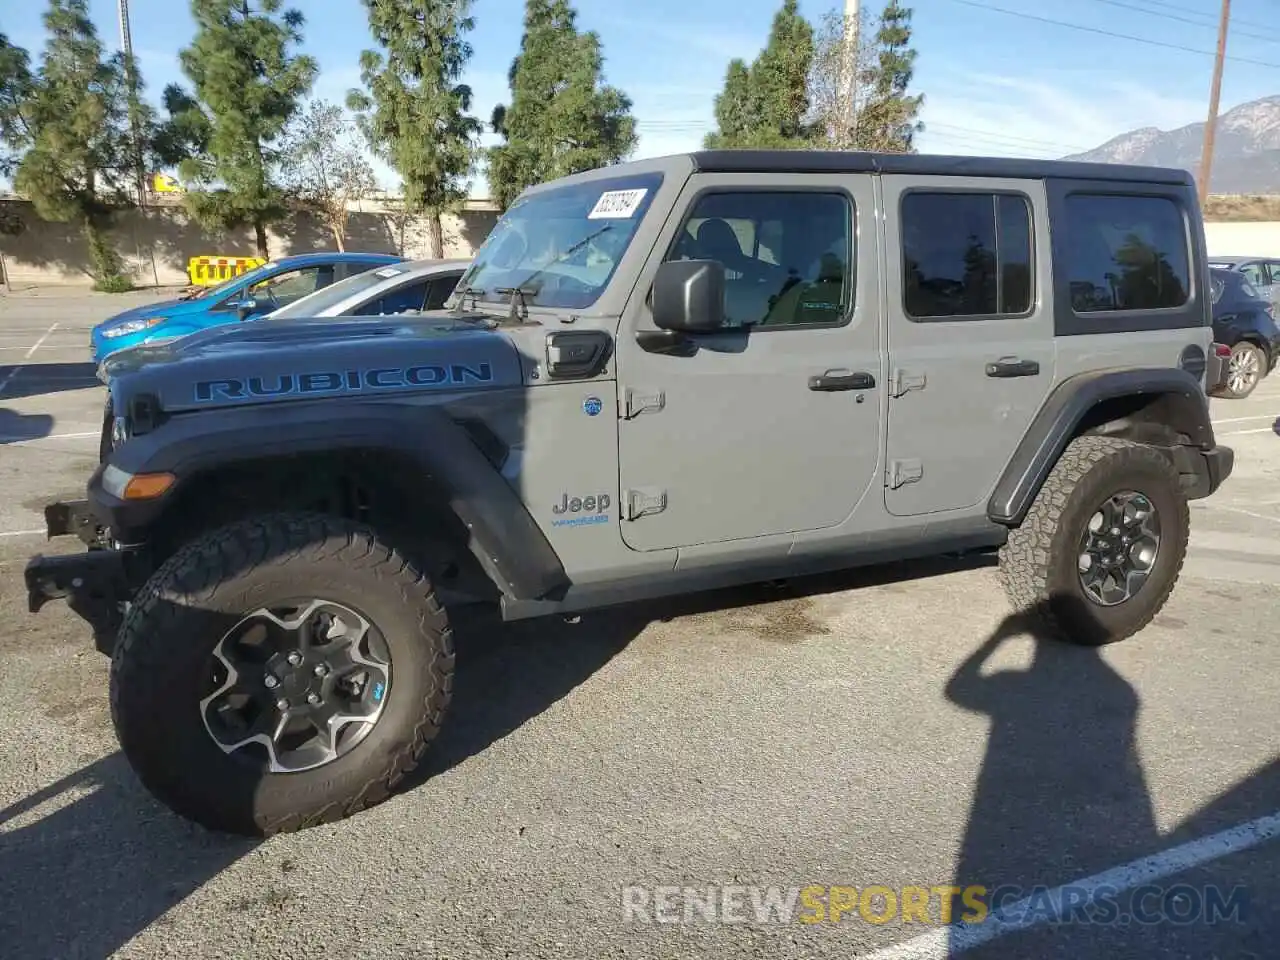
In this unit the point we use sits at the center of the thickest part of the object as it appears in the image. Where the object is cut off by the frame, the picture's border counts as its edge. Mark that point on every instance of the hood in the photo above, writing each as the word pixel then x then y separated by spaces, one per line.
pixel 294 360
pixel 165 308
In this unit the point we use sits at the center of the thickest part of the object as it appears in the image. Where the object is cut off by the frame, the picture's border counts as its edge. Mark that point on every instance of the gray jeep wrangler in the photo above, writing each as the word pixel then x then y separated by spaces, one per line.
pixel 655 378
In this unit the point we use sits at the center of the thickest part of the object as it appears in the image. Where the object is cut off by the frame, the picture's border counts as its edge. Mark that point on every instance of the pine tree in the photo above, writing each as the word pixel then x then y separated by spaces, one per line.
pixel 734 110
pixel 71 130
pixel 414 110
pixel 225 136
pixel 16 84
pixel 888 120
pixel 562 120
pixel 767 104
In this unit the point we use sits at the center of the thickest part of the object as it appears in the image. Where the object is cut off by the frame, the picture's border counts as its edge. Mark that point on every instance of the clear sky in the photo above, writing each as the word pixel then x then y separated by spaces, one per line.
pixel 998 78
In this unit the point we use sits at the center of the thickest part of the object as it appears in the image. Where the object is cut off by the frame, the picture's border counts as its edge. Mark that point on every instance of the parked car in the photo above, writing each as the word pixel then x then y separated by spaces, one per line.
pixel 397 288
pixel 253 294
pixel 1244 320
pixel 1262 272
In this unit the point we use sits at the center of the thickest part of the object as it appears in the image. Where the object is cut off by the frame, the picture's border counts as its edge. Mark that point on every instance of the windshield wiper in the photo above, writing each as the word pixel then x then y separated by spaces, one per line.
pixel 517 292
pixel 473 292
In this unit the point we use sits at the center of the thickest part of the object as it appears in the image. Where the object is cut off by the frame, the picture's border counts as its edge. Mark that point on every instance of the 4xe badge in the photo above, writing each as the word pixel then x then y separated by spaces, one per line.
pixel 581 511
pixel 592 406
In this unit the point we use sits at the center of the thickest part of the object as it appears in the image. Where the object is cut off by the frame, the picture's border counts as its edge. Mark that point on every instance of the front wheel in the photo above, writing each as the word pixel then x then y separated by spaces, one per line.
pixel 279 673
pixel 1102 546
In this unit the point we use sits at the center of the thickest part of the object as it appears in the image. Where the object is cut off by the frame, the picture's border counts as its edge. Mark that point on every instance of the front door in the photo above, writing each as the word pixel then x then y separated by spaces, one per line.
pixel 771 425
pixel 970 329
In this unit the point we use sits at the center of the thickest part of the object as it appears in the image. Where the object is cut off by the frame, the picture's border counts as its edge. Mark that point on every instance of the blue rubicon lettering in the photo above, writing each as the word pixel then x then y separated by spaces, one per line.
pixel 343 381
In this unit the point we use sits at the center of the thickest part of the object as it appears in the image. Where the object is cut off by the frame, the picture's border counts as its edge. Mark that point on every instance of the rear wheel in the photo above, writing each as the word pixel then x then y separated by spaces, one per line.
pixel 279 673
pixel 1102 546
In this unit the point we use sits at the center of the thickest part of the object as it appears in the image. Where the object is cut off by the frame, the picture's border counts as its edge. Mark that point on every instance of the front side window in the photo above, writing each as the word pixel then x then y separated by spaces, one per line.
pixel 966 255
pixel 788 257
pixel 1126 253
pixel 284 288
pixel 561 246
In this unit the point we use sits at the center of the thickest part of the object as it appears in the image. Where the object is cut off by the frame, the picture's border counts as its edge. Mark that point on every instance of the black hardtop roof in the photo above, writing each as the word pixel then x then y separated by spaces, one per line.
pixel 840 161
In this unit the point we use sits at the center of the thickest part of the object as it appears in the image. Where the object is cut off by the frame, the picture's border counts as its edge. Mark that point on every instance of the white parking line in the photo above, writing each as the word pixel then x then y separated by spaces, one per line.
pixel 947 942
pixel 52 436
pixel 21 533
pixel 1241 433
pixel 4 384
pixel 1261 416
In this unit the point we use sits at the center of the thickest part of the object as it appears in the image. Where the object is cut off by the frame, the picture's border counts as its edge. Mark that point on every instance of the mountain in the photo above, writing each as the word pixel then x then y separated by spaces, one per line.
pixel 1246 150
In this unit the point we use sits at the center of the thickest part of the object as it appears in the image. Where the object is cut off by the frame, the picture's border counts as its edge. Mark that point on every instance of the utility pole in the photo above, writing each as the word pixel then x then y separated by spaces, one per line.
pixel 131 80
pixel 1210 129
pixel 849 68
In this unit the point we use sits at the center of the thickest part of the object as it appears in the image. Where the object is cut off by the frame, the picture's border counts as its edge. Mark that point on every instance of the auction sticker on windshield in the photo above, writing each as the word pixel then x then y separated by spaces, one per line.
pixel 387 273
pixel 617 204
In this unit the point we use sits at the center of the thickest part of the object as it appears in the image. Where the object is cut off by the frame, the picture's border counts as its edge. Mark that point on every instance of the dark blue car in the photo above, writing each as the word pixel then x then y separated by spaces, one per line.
pixel 253 294
pixel 1243 319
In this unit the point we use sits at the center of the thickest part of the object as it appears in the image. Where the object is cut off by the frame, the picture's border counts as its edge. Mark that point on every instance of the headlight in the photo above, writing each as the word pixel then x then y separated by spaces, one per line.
pixel 132 326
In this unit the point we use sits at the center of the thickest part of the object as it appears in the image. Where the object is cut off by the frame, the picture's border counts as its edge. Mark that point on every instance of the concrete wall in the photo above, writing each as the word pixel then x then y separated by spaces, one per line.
pixel 1244 239
pixel 157 243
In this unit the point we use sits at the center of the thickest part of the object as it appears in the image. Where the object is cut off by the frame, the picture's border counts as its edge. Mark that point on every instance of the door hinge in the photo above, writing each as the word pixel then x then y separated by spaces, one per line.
pixel 902 472
pixel 637 402
pixel 643 502
pixel 902 382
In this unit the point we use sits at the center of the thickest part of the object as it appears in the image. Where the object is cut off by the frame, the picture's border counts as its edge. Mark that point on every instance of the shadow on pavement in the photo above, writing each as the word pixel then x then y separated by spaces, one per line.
pixel 38 379
pixel 506 674
pixel 16 427
pixel 1061 797
pixel 97 869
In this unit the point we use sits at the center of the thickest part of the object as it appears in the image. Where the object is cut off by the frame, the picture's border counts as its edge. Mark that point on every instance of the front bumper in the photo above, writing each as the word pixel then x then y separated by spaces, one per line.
pixel 96 584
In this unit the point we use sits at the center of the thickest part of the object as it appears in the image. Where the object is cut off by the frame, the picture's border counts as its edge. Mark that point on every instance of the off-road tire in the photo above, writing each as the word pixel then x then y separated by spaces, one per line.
pixel 188 604
pixel 1038 563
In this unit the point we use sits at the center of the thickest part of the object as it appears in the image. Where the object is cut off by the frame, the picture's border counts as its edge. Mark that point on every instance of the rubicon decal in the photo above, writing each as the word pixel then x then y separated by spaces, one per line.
pixel 325 382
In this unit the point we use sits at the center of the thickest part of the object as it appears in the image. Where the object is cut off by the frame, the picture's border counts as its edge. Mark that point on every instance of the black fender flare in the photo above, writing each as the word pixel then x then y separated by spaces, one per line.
pixel 503 535
pixel 1182 405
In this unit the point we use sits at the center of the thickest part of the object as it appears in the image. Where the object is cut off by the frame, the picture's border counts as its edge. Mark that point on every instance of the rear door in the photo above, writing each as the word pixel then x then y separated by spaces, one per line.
pixel 970 334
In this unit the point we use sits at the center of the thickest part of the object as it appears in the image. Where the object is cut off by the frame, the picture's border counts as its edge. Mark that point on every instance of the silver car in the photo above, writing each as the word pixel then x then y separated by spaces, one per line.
pixel 396 288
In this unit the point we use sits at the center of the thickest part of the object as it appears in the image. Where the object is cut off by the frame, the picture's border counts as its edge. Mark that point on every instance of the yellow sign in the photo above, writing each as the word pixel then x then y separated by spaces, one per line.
pixel 163 183
pixel 212 270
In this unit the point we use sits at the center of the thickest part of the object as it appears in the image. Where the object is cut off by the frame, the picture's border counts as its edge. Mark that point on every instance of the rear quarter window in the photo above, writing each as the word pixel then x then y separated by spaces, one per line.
pixel 1126 253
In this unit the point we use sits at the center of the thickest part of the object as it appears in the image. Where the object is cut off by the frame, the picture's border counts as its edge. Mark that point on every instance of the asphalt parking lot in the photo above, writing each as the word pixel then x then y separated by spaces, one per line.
pixel 891 727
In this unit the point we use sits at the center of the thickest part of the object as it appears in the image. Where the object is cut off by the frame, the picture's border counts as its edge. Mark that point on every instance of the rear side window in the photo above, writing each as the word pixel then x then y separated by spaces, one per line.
pixel 1126 253
pixel 966 255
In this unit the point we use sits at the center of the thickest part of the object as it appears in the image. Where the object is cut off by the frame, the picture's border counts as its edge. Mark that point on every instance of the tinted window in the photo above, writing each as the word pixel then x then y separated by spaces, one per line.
pixel 1126 253
pixel 788 257
pixel 965 254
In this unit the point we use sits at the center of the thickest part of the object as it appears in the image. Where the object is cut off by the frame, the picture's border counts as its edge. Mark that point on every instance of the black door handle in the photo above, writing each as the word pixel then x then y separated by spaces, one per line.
pixel 1012 367
pixel 830 381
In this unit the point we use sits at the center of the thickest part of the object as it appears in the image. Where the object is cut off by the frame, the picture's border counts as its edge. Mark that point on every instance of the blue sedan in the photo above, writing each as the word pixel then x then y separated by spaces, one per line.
pixel 254 293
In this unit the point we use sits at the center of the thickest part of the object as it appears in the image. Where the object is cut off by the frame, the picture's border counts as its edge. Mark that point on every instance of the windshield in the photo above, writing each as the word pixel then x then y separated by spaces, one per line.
pixel 315 304
pixel 561 246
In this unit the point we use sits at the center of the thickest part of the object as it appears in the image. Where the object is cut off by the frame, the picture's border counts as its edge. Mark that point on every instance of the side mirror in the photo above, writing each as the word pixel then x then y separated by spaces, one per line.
pixel 247 307
pixel 688 296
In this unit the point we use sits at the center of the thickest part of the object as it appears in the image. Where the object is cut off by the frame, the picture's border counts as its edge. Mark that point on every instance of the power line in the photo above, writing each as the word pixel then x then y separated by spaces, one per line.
pixel 1109 33
pixel 1030 141
pixel 1210 16
pixel 1265 38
